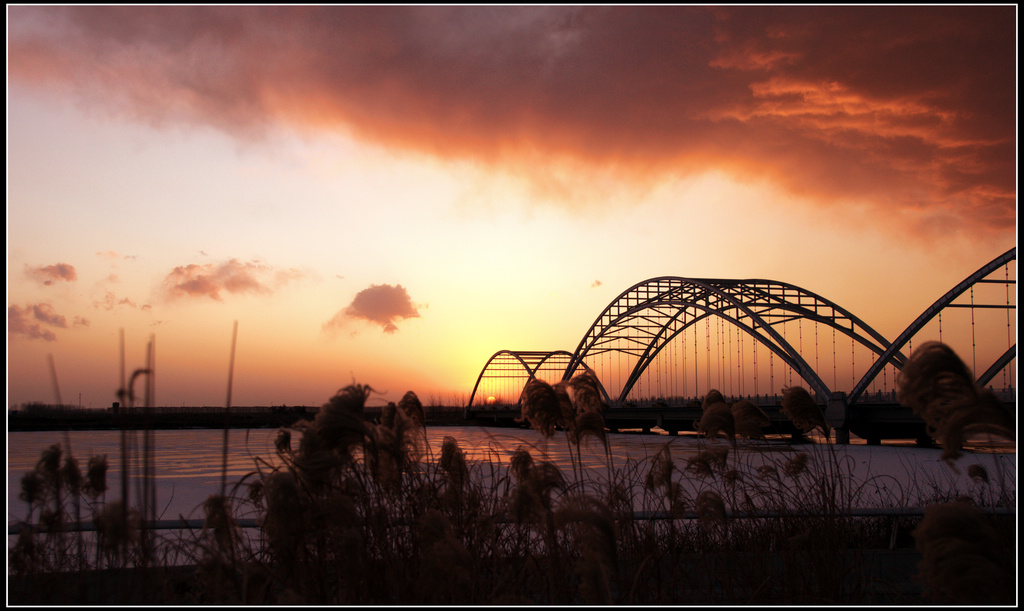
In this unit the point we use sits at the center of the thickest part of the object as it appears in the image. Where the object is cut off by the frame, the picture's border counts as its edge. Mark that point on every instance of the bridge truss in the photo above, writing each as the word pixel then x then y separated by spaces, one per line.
pixel 645 318
pixel 507 371
pixel 661 318
pixel 980 277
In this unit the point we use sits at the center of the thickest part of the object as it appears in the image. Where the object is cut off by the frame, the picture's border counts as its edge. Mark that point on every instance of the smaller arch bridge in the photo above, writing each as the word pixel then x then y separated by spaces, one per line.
pixel 512 369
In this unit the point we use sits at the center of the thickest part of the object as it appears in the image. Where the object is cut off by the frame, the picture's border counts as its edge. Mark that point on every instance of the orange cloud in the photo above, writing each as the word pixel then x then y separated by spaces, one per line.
pixel 29 321
pixel 234 276
pixel 382 304
pixel 912 107
pixel 52 273
pixel 110 301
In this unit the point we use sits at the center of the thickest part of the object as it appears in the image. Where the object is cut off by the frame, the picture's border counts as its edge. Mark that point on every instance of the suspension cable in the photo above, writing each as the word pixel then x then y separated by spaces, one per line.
pixel 835 382
pixel 974 346
pixel 755 368
pixel 816 368
pixel 731 390
pixel 1006 271
pixel 707 342
pixel 696 364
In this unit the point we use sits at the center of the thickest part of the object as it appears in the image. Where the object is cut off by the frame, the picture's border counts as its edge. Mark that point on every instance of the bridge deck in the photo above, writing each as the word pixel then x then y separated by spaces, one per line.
pixel 870 421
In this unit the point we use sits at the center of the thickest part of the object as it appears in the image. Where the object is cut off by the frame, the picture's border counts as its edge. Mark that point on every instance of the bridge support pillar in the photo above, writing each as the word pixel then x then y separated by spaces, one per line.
pixel 836 414
pixel 843 436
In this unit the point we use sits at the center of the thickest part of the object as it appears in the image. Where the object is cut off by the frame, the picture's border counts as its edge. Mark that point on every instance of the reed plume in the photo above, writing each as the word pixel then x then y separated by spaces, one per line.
pixel 964 559
pixel 796 465
pixel 96 476
pixel 938 386
pixel 711 508
pixel 798 405
pixel 714 396
pixel 593 525
pixel 387 415
pixel 586 392
pixel 749 419
pixel 413 408
pixel 588 423
pixel 659 477
pixel 660 473
pixel 445 566
pixel 708 461
pixel 283 441
pixel 341 422
pixel 71 476
pixel 531 499
pixel 717 418
pixel 49 465
pixel 33 489
pixel 282 520
pixel 394 450
pixel 546 407
pixel 978 474
pixel 315 461
pixel 521 463
pixel 27 555
pixel 117 527
pixel 220 522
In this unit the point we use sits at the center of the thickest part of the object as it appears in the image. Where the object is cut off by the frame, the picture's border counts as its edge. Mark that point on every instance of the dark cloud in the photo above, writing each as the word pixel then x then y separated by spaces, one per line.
pixel 52 273
pixel 233 276
pixel 910 106
pixel 381 304
pixel 29 321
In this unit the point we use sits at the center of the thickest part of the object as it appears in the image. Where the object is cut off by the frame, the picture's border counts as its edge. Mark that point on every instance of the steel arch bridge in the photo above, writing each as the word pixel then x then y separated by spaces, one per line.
pixel 645 318
pixel 642 320
pixel 946 301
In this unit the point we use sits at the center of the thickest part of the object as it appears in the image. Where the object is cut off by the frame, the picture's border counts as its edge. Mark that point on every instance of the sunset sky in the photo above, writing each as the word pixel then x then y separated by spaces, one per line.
pixel 390 195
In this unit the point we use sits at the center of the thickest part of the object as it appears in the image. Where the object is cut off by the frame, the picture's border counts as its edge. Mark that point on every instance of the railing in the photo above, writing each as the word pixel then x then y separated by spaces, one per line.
pixel 862 512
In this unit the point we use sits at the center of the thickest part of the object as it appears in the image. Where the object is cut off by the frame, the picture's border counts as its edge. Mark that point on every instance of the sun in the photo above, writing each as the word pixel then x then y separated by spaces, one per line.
pixel 491 400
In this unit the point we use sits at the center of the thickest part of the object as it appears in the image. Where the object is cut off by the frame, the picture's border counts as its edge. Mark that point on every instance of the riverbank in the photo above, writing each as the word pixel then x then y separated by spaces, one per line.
pixel 176 418
pixel 872 577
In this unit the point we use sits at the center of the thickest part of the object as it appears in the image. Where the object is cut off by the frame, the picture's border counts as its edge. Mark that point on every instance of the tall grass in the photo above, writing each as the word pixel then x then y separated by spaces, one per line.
pixel 356 511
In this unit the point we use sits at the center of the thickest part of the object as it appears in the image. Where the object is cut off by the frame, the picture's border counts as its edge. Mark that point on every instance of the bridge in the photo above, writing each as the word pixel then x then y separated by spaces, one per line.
pixel 663 343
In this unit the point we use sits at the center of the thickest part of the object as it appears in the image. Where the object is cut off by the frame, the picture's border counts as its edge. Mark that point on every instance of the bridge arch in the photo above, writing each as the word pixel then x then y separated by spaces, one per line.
pixel 523 365
pixel 644 319
pixel 892 354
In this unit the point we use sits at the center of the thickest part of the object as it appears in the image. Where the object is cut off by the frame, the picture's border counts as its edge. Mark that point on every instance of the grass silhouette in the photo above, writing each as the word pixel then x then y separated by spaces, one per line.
pixel 358 511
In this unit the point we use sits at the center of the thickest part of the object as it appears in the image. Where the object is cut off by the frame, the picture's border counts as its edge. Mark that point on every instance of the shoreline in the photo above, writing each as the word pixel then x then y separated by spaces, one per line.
pixel 164 418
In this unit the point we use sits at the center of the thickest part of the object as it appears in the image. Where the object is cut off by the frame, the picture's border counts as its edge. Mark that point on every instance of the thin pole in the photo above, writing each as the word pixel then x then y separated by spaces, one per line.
pixel 125 463
pixel 227 412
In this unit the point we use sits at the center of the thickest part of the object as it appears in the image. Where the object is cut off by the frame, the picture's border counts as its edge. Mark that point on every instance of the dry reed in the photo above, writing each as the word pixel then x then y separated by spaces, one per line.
pixel 965 559
pixel 749 419
pixel 363 513
pixel 938 386
pixel 798 405
pixel 717 418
